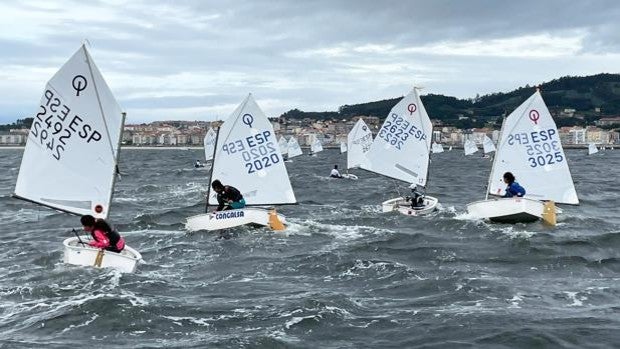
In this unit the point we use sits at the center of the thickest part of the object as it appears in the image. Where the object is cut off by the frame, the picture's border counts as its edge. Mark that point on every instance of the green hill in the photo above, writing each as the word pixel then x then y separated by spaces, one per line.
pixel 583 94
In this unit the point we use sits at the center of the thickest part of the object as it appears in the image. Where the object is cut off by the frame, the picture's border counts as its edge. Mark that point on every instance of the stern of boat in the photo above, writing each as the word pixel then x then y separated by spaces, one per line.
pixel 81 254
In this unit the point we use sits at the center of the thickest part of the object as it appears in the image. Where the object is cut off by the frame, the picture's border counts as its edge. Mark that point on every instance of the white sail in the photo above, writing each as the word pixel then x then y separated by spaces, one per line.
pixel 450 149
pixel 401 149
pixel 470 147
pixel 530 148
pixel 487 145
pixel 209 144
pixel 343 147
pixel 437 148
pixel 293 148
pixel 592 149
pixel 248 158
pixel 72 150
pixel 283 144
pixel 316 145
pixel 359 141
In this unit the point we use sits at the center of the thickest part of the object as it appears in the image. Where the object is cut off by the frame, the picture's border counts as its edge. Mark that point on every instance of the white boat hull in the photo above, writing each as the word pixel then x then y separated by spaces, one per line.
pixel 77 254
pixel 349 176
pixel 230 219
pixel 508 210
pixel 403 206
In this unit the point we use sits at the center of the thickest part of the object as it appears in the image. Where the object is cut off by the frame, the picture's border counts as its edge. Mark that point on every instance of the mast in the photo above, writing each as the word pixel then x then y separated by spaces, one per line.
pixel 117 172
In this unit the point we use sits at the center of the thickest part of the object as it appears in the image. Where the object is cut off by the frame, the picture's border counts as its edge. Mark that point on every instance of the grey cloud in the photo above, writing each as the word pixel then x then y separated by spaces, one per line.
pixel 235 47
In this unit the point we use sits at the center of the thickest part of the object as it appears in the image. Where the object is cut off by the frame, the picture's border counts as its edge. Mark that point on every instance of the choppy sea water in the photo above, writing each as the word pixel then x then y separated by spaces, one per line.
pixel 343 275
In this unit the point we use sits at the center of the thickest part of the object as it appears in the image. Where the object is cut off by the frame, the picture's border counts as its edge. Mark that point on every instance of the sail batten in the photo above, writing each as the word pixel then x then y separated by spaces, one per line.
pixel 401 149
pixel 248 157
pixel 72 150
pixel 529 146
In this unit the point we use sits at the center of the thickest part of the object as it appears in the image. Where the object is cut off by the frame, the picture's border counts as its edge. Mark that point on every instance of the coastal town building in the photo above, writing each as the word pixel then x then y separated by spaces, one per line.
pixel 330 132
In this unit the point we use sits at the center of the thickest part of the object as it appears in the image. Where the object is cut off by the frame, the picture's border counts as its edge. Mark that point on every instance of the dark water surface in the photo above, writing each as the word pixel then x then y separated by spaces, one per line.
pixel 343 275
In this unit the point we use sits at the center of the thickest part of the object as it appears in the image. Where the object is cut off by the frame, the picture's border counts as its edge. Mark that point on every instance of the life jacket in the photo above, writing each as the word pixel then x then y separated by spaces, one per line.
pixel 112 235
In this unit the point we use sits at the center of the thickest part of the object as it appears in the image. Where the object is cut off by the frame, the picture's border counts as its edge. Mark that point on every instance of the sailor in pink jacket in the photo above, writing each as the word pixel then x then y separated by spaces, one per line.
pixel 103 235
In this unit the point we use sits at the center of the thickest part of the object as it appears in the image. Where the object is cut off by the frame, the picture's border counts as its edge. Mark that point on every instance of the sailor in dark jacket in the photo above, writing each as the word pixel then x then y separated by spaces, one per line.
pixel 228 197
pixel 513 188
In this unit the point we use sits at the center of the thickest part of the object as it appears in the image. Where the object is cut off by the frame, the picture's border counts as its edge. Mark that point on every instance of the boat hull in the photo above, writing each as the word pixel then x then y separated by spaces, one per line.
pixel 349 176
pixel 77 254
pixel 404 207
pixel 231 218
pixel 507 210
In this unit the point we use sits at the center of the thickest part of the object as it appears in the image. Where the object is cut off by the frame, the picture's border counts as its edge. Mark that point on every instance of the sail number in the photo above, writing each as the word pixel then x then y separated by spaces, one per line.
pixel 396 131
pixel 365 142
pixel 542 147
pixel 53 126
pixel 258 151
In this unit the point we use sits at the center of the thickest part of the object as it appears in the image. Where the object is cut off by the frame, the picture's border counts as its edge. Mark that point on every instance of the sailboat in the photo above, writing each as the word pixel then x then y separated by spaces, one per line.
pixel 437 148
pixel 283 145
pixel 450 149
pixel 529 146
pixel 315 145
pixel 592 149
pixel 401 150
pixel 293 148
pixel 343 147
pixel 487 145
pixel 209 144
pixel 71 156
pixel 247 157
pixel 470 147
pixel 359 141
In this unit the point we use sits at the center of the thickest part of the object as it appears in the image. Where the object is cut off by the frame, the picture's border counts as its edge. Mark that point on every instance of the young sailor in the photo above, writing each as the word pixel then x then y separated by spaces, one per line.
pixel 417 197
pixel 198 164
pixel 228 197
pixel 513 188
pixel 335 173
pixel 104 236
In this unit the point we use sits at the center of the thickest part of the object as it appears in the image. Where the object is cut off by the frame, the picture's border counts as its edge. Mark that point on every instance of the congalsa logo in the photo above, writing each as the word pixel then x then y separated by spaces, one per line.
pixel 228 214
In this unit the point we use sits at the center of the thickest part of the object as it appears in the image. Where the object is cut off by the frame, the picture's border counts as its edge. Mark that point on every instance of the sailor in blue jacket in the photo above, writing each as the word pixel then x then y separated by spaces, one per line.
pixel 513 188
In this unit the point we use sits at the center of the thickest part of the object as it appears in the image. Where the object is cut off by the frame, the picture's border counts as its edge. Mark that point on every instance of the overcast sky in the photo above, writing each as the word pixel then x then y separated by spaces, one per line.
pixel 196 60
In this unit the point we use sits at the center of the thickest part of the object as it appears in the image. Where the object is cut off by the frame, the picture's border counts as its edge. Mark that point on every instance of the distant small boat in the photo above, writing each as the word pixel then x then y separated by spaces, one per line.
pixel 293 148
pixel 592 149
pixel 316 146
pixel 470 147
pixel 209 144
pixel 487 145
pixel 437 148
pixel 359 141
